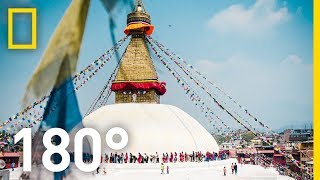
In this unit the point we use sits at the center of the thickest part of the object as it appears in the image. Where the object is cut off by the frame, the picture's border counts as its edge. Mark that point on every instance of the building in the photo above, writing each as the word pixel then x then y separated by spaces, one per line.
pixel 246 155
pixel 12 157
pixel 306 155
pixel 266 151
pixel 227 146
pixel 256 143
pixel 279 158
pixel 285 136
pixel 299 135
pixel 152 127
pixel 306 151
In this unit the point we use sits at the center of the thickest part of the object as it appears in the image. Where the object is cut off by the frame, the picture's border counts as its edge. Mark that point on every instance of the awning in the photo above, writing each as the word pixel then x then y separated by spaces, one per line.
pixel 278 155
pixel 10 154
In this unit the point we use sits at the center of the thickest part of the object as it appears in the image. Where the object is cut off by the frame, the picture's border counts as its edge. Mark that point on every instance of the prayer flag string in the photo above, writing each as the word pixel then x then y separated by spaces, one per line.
pixel 212 83
pixel 33 114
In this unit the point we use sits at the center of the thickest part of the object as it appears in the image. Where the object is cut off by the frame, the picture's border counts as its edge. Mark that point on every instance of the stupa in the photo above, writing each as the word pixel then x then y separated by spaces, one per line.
pixel 152 127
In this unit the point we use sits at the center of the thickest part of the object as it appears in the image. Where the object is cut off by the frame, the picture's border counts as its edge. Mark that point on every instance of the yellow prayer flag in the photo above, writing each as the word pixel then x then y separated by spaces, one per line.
pixel 63 46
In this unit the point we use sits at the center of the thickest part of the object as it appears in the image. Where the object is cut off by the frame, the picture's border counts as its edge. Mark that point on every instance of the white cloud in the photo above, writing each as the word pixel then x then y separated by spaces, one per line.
pixel 292 59
pixel 260 16
pixel 275 92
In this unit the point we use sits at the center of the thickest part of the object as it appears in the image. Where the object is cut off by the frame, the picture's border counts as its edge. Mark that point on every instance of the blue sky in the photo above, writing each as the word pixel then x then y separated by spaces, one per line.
pixel 260 51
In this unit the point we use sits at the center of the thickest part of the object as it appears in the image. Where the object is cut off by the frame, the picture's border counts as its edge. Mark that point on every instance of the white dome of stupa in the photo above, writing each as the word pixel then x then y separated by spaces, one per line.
pixel 152 128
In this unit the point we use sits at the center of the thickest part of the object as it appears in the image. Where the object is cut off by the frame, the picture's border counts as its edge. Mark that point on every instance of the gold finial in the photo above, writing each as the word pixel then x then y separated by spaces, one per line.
pixel 139 7
pixel 138 21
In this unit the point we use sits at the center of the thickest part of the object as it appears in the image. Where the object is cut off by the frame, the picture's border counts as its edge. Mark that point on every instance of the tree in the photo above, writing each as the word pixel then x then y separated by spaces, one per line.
pixel 248 136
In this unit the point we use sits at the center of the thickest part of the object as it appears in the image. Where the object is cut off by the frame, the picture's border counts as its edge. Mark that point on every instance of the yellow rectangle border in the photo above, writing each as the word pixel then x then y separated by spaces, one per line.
pixel 33 12
pixel 316 90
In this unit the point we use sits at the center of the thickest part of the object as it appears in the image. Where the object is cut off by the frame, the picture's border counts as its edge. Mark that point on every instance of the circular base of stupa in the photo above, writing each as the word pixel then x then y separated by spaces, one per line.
pixel 152 128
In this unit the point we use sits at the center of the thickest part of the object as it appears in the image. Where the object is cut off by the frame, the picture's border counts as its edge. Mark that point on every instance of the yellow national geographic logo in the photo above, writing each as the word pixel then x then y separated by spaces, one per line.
pixel 33 12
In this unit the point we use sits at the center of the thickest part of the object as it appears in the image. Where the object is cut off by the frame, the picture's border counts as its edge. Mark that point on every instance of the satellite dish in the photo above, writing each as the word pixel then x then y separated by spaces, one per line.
pixel 2 164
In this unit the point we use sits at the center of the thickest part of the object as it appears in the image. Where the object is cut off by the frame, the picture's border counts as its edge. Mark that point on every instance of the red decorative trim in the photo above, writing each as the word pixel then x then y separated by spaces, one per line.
pixel 160 87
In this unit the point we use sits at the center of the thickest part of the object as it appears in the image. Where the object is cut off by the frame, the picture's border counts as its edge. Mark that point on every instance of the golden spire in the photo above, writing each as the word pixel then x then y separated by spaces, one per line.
pixel 137 80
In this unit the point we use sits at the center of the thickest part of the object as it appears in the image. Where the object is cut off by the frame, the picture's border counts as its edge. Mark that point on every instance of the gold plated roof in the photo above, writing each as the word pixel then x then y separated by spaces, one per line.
pixel 136 64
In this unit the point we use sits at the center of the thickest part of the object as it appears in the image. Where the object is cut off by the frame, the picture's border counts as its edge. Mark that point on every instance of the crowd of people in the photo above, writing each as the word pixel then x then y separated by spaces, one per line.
pixel 172 157
pixel 164 158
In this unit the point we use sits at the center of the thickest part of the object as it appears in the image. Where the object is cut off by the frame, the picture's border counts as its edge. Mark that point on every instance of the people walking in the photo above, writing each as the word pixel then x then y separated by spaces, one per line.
pixel 157 157
pixel 13 165
pixel 232 168
pixel 98 169
pixel 235 168
pixel 224 171
pixel 162 168
pixel 126 158
pixel 168 157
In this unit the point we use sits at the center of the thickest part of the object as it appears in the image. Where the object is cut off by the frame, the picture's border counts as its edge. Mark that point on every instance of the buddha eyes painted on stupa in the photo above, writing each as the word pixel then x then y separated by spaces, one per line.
pixel 127 92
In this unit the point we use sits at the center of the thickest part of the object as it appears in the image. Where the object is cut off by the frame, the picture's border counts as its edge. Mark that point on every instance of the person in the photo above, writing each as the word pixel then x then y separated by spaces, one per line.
pixel 157 158
pixel 235 168
pixel 181 157
pixel 13 165
pixel 126 158
pixel 134 159
pixel 167 169
pixel 146 158
pixel 131 158
pixel 116 157
pixel 111 158
pixel 98 169
pixel 107 158
pixel 224 171
pixel 140 158
pixel 232 168
pixel 162 168
pixel 163 157
pixel 193 156
pixel 175 157
pixel 121 158
pixel 104 171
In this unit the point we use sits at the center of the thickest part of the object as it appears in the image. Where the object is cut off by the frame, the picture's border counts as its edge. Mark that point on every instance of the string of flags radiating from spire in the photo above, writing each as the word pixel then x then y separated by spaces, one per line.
pixel 257 134
pixel 213 95
pixel 180 79
pixel 33 113
pixel 195 98
pixel 171 53
pixel 105 93
pixel 261 158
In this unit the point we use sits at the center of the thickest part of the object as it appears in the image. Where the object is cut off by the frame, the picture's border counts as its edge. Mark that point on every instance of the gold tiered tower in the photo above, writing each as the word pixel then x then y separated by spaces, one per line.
pixel 136 80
